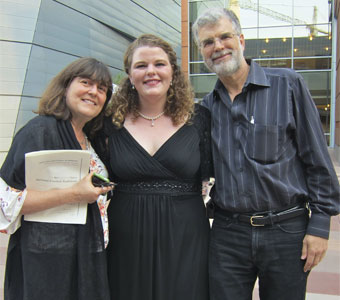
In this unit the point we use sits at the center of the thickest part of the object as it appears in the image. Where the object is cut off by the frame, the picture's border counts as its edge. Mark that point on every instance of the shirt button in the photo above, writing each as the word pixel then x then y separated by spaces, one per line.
pixel 241 169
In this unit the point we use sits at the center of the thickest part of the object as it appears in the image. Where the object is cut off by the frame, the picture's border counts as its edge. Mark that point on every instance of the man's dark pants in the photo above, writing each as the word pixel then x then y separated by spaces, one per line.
pixel 240 253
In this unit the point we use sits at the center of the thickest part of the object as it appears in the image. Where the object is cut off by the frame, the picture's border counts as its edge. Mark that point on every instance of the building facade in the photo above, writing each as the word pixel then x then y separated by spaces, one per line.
pixel 286 34
pixel 40 37
pixel 337 90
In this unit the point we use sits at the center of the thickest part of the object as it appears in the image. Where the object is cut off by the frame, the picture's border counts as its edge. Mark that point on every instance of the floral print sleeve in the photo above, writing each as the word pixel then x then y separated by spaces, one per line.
pixel 97 166
pixel 11 201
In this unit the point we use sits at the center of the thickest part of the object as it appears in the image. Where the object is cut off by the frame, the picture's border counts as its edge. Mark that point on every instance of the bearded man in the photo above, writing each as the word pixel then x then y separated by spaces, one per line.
pixel 275 187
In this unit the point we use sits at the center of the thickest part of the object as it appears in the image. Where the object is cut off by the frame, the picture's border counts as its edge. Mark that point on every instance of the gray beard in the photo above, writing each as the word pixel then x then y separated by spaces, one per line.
pixel 226 68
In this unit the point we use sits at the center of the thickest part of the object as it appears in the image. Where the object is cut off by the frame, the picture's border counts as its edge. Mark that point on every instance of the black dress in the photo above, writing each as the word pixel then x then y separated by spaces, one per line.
pixel 48 261
pixel 158 245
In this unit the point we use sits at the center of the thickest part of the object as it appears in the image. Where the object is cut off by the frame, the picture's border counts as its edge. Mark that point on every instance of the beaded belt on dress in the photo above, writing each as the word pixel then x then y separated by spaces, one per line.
pixel 159 186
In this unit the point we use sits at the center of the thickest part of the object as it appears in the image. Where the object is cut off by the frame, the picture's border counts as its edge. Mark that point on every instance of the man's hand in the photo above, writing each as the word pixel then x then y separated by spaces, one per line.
pixel 313 250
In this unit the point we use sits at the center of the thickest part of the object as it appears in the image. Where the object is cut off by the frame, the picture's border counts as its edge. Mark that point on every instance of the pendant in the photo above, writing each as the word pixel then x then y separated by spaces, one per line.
pixel 152 119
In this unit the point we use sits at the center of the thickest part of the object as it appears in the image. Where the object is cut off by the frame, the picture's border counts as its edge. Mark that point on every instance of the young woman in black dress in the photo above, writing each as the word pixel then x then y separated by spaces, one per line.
pixel 156 145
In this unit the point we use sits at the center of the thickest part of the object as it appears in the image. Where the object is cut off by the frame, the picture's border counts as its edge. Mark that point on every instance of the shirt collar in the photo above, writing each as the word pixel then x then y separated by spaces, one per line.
pixel 256 76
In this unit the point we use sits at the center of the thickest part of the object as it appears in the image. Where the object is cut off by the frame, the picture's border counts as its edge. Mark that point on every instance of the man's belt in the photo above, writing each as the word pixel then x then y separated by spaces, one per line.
pixel 266 218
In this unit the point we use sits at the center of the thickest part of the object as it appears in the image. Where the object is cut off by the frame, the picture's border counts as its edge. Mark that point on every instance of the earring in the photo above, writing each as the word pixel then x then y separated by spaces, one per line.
pixel 133 87
pixel 171 83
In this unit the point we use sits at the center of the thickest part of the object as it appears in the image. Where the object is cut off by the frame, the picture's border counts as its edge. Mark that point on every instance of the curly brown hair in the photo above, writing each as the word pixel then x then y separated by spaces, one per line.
pixel 53 101
pixel 180 97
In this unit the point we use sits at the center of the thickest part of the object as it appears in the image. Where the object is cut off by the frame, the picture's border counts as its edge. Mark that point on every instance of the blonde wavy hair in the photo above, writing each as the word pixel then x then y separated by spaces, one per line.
pixel 180 97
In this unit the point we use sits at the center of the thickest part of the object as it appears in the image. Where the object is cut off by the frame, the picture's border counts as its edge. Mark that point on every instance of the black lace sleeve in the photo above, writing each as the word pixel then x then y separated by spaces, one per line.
pixel 202 122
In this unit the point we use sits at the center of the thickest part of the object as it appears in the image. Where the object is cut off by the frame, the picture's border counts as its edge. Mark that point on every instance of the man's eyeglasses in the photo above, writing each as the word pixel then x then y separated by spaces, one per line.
pixel 223 38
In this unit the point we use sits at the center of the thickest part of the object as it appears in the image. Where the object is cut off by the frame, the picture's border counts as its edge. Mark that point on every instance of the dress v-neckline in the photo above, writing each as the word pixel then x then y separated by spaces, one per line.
pixel 158 150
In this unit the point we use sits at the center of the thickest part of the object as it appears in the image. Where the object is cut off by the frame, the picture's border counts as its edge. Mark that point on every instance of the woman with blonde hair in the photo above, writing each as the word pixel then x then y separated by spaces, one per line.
pixel 156 145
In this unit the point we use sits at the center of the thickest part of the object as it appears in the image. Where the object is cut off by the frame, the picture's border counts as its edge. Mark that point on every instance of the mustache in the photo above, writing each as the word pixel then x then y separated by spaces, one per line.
pixel 221 53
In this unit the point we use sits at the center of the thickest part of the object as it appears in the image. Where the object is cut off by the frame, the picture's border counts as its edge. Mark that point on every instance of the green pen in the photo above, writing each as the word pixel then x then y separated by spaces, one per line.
pixel 101 181
pixel 101 177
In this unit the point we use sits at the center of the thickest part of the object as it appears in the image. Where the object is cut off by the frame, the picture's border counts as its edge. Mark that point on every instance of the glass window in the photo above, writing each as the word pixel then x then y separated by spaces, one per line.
pixel 275 12
pixel 248 14
pixel 275 63
pixel 199 68
pixel 319 85
pixel 203 84
pixel 195 54
pixel 312 45
pixel 312 63
pixel 282 34
pixel 312 11
pixel 312 30
pixel 197 7
pixel 251 37
pixel 275 42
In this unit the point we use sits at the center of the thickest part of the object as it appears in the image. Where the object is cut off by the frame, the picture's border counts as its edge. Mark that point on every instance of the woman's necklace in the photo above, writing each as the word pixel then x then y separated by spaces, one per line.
pixel 85 142
pixel 152 119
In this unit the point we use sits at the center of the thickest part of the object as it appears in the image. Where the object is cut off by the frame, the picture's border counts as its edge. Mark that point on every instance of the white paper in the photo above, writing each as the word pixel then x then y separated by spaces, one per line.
pixel 59 169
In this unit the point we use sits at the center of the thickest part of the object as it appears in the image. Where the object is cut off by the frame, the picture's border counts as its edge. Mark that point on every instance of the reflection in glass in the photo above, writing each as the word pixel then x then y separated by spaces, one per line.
pixel 272 42
pixel 275 12
pixel 312 63
pixel 278 34
pixel 195 54
pixel 319 86
pixel 203 84
pixel 199 68
pixel 312 11
pixel 310 45
pixel 275 63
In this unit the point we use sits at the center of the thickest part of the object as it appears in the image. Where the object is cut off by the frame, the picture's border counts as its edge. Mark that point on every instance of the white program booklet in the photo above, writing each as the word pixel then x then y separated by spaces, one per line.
pixel 57 169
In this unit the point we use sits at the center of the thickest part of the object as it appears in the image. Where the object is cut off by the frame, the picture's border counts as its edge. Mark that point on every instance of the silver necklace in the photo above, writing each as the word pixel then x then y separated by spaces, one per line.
pixel 85 142
pixel 152 119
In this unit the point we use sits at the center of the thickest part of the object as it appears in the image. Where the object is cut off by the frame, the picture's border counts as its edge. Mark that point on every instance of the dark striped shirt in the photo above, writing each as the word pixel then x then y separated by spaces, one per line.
pixel 269 149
